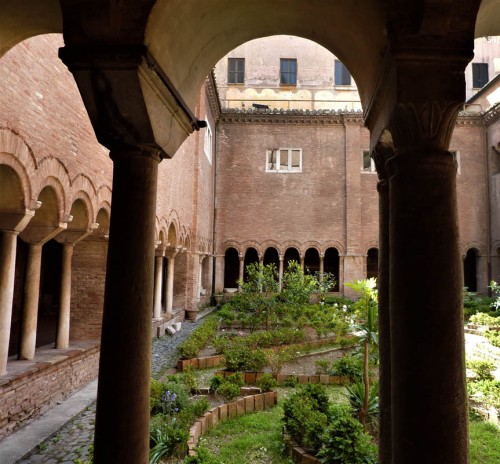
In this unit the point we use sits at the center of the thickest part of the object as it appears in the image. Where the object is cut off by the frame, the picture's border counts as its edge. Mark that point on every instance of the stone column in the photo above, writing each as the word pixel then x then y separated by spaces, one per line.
pixel 200 275
pixel 170 254
pixel 429 400
pixel 8 248
pixel 158 287
pixel 30 302
pixel 321 266
pixel 280 271
pixel 125 361
pixel 62 341
pixel 242 270
pixel 381 155
pixel 302 259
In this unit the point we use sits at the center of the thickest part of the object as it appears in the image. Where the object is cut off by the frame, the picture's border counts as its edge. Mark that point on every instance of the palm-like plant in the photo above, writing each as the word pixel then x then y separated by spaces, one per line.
pixel 368 335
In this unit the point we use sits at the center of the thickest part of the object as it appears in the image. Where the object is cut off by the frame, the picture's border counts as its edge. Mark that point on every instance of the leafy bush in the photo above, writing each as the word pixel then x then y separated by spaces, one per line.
pixel 298 287
pixel 198 339
pixel 494 337
pixel 291 382
pixel 276 359
pixel 221 343
pixel 226 313
pixel 485 391
pixel 485 319
pixel 323 366
pixel 241 358
pixel 228 390
pixel 202 456
pixel 266 382
pixel 344 442
pixel 348 366
pixel 216 382
pixel 304 421
pixel 483 369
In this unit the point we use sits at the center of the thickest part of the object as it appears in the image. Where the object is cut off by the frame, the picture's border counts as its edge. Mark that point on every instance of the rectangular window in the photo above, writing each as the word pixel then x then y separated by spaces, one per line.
pixel 342 74
pixel 368 163
pixel 288 71
pixel 208 141
pixel 284 160
pixel 479 75
pixel 236 71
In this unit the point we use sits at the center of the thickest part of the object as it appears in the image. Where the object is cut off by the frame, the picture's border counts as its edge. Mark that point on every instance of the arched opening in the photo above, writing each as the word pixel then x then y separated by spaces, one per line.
pixel 332 265
pixel 11 190
pixel 231 268
pixel 291 254
pixel 311 261
pixel 251 256
pixel 372 263
pixel 172 236
pixel 271 256
pixel 470 270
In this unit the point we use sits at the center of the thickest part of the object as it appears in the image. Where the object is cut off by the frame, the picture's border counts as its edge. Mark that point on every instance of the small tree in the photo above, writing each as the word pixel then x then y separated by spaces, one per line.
pixel 367 307
pixel 298 287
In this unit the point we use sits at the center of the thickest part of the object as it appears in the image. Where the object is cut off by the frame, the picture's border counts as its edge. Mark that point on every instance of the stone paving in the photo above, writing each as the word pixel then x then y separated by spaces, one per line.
pixel 70 444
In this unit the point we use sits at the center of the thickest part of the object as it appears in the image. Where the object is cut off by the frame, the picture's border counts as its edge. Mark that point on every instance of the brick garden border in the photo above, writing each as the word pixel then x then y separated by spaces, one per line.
pixel 237 408
pixel 217 360
pixel 252 378
pixel 297 453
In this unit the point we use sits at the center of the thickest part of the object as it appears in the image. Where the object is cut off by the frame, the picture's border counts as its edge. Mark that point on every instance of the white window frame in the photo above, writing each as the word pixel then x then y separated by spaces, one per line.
pixel 208 141
pixel 277 163
pixel 372 167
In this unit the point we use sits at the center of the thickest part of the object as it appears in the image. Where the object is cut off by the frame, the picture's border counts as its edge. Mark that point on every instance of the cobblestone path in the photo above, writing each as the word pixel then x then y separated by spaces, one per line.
pixel 70 444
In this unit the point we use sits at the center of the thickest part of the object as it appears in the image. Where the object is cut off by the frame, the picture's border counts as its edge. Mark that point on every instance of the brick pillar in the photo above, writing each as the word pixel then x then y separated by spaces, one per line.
pixel 8 248
pixel 219 273
pixel 122 414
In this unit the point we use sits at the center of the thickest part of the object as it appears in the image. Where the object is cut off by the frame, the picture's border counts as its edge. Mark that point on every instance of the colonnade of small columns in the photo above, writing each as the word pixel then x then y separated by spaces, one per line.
pixel 35 237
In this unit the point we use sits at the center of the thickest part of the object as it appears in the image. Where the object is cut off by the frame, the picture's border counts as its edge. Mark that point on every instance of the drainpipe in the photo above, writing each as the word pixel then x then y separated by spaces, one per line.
pixel 215 161
pixel 488 209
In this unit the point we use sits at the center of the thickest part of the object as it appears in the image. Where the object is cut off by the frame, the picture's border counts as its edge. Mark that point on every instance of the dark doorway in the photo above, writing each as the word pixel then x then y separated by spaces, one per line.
pixel 470 270
pixel 251 256
pixel 231 268
pixel 372 263
pixel 271 256
pixel 311 261
pixel 291 254
pixel 332 265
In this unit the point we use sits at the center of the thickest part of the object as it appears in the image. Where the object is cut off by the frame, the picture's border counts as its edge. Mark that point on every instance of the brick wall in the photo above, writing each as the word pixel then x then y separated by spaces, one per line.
pixel 28 395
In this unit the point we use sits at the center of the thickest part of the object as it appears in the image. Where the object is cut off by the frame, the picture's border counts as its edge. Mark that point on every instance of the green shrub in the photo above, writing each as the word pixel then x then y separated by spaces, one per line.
pixel 200 406
pixel 483 369
pixel 226 313
pixel 276 359
pixel 266 382
pixel 221 343
pixel 344 442
pixel 484 319
pixel 241 358
pixel 291 382
pixel 485 391
pixel 199 338
pixel 348 366
pixel 304 421
pixel 216 382
pixel 228 390
pixel 494 337
pixel 322 366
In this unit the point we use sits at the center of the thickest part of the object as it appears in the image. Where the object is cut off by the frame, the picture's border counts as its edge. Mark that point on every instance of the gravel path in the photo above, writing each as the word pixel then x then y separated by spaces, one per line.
pixel 70 444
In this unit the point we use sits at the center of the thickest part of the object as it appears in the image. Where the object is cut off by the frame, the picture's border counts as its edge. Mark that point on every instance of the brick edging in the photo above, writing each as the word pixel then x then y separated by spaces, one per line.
pixel 250 378
pixel 237 408
pixel 297 453
pixel 217 360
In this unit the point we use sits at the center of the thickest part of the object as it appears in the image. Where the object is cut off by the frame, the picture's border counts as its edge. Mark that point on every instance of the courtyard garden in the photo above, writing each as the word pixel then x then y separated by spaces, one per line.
pixel 275 377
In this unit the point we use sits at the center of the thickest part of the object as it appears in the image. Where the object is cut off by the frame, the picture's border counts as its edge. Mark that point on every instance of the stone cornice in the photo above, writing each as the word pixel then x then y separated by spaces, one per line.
pixel 470 118
pixel 213 97
pixel 281 116
pixel 492 115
